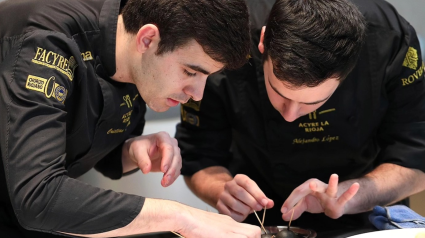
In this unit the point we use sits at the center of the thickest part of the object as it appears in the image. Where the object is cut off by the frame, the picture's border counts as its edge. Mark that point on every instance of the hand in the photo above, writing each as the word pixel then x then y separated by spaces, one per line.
pixel 240 197
pixel 314 196
pixel 154 153
pixel 212 225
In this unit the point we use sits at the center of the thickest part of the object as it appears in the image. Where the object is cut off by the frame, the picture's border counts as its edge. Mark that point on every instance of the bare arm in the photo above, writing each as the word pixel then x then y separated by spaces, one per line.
pixel 208 183
pixel 386 184
pixel 159 152
pixel 163 215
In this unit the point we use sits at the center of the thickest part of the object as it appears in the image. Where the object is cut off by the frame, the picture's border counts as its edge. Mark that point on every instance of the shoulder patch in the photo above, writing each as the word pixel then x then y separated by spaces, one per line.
pixel 417 75
pixel 195 105
pixel 36 83
pixel 411 60
pixel 50 59
pixel 48 87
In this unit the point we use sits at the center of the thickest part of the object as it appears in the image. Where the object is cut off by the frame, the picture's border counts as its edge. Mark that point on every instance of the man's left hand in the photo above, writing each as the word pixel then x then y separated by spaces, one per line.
pixel 153 153
pixel 314 196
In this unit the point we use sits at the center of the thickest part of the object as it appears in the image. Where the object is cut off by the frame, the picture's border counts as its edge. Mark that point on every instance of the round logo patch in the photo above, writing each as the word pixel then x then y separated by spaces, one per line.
pixel 60 93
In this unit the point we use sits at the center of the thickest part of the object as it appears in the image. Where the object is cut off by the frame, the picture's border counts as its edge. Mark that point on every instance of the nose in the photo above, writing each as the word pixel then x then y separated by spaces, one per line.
pixel 290 111
pixel 196 89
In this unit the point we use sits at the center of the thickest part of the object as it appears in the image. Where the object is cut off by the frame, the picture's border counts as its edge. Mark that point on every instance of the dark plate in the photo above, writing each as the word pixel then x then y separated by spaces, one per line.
pixel 303 233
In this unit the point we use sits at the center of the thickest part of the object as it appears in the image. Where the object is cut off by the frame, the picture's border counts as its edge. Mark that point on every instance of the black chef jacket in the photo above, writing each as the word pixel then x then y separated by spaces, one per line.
pixel 61 115
pixel 376 116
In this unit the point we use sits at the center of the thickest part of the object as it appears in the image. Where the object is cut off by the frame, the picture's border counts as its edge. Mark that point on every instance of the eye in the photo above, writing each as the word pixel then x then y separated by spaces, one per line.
pixel 189 73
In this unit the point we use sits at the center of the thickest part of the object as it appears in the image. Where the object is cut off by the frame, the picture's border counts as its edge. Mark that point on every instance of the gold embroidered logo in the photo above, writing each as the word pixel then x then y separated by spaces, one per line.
pixel 313 115
pixel 411 60
pixel 127 100
pixel 316 126
pixel 189 117
pixel 415 76
pixel 43 85
pixel 87 56
pixel 126 118
pixel 195 105
pixel 135 97
pixel 56 61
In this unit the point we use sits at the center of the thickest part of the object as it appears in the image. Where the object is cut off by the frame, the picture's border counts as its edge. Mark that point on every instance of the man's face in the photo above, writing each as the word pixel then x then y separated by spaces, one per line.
pixel 292 102
pixel 174 77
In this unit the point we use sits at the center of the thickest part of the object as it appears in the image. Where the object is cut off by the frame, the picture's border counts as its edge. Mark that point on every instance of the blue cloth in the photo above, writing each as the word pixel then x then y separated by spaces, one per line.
pixel 395 217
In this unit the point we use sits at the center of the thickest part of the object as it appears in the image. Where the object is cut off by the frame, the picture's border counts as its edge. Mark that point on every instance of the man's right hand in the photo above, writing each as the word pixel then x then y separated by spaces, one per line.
pixel 211 225
pixel 240 197
pixel 165 215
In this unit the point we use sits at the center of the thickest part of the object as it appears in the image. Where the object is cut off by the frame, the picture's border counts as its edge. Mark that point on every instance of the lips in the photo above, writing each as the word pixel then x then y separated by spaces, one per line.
pixel 172 102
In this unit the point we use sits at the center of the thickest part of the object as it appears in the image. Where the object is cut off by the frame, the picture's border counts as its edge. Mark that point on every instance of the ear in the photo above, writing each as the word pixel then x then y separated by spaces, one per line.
pixel 261 44
pixel 147 37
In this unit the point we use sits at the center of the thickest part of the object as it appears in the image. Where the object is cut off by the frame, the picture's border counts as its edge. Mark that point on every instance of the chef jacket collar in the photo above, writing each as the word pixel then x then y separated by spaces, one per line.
pixel 108 25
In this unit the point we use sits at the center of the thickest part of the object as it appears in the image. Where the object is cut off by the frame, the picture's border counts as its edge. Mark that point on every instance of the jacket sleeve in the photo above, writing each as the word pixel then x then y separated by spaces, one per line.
pixel 37 77
pixel 111 165
pixel 402 133
pixel 204 133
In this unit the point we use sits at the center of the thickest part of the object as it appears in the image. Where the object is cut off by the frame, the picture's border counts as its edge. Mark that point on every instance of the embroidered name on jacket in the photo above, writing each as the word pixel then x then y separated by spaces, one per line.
pixel 56 61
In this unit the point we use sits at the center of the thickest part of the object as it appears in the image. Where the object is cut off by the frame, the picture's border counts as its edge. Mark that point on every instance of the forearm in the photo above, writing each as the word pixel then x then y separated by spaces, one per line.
pixel 208 183
pixel 386 184
pixel 156 215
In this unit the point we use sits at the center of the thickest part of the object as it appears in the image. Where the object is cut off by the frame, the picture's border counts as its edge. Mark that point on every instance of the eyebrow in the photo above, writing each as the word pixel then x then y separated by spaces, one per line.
pixel 198 68
pixel 307 103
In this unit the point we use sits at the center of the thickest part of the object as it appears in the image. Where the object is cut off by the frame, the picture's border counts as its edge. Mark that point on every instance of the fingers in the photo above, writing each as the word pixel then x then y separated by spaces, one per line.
pixel 168 148
pixel 157 152
pixel 172 172
pixel 315 196
pixel 166 158
pixel 236 204
pixel 237 216
pixel 141 156
pixel 332 189
pixel 302 191
pixel 349 194
pixel 298 210
pixel 253 197
pixel 240 197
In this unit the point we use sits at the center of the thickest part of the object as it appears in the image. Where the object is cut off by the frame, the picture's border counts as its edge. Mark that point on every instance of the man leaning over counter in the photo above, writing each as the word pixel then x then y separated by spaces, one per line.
pixel 327 118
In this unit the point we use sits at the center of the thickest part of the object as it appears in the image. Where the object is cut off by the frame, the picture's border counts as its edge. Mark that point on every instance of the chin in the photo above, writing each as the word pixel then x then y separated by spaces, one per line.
pixel 161 109
pixel 157 108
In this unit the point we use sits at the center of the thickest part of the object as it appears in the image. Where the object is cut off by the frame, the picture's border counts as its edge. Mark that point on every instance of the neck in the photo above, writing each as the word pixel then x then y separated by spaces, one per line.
pixel 122 53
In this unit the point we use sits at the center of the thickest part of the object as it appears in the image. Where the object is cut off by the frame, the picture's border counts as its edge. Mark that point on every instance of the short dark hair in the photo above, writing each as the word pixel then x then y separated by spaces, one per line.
pixel 310 41
pixel 221 27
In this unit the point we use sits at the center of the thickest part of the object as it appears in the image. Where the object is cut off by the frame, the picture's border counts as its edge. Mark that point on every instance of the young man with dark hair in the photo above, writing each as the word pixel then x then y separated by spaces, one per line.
pixel 76 76
pixel 338 91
